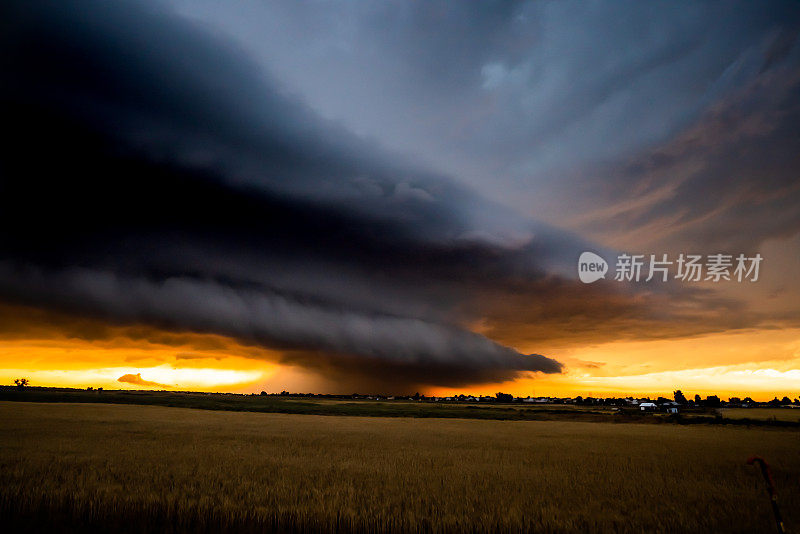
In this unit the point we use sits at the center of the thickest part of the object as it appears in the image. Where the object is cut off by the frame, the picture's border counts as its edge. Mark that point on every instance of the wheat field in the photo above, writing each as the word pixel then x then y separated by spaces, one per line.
pixel 80 467
pixel 768 414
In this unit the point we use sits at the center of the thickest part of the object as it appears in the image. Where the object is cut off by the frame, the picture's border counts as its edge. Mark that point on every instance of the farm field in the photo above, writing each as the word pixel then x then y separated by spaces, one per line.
pixel 313 406
pixel 765 414
pixel 786 418
pixel 90 467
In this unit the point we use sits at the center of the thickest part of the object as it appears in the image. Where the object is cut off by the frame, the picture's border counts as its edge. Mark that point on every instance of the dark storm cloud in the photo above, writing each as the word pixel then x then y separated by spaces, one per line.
pixel 281 322
pixel 158 176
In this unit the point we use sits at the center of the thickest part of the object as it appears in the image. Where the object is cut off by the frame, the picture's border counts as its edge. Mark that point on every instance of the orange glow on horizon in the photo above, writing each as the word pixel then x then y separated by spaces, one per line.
pixel 760 364
pixel 52 350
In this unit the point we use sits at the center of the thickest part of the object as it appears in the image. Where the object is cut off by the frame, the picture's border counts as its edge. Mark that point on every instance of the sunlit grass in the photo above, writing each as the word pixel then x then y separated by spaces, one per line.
pixel 112 467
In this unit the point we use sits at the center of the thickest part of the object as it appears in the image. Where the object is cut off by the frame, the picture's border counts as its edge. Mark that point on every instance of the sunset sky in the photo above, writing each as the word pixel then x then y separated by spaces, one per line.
pixel 392 197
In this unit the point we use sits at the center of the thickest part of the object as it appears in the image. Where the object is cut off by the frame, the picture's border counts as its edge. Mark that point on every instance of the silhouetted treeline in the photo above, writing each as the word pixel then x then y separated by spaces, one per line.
pixel 678 399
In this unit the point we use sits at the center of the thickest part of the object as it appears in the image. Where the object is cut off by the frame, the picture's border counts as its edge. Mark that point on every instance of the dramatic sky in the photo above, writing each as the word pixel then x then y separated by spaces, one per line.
pixel 393 196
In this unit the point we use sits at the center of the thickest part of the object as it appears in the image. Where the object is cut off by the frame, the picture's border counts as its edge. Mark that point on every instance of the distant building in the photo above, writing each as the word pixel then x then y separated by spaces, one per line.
pixel 647 406
pixel 670 406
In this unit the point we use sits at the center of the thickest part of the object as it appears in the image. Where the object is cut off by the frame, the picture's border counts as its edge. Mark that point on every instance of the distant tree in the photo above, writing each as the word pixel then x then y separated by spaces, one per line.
pixel 712 401
pixel 504 397
pixel 786 400
pixel 263 393
pixel 679 397
pixel 416 395
pixel 774 402
pixel 21 382
pixel 697 399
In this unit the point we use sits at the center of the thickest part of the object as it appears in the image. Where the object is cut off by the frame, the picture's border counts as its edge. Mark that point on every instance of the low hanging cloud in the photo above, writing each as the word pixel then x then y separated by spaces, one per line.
pixel 139 381
pixel 434 350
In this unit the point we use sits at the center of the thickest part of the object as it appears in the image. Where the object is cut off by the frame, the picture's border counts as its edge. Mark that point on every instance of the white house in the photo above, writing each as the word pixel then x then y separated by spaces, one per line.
pixel 645 406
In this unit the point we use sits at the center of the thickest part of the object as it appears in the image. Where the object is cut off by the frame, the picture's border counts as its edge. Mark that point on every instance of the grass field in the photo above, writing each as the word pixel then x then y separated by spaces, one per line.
pixel 765 414
pixel 395 408
pixel 311 406
pixel 100 467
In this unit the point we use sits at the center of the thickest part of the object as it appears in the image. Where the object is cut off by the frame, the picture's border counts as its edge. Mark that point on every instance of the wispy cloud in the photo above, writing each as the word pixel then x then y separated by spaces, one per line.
pixel 139 381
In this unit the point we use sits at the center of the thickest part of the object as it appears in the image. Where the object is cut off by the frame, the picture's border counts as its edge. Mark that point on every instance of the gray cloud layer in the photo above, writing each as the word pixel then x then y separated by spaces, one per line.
pixel 512 96
pixel 730 182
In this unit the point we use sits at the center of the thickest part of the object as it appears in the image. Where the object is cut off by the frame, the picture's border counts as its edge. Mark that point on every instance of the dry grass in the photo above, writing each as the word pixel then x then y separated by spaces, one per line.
pixel 137 468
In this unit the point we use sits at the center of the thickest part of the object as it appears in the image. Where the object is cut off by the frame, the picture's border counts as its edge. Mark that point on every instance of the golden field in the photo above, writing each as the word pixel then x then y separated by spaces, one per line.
pixel 767 414
pixel 82 467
